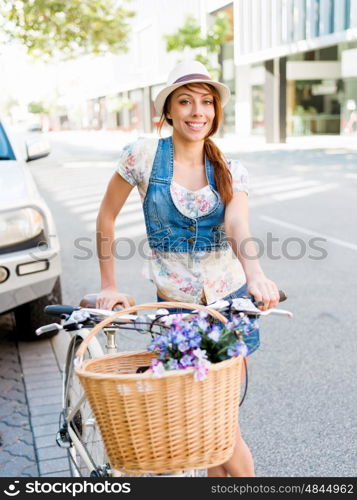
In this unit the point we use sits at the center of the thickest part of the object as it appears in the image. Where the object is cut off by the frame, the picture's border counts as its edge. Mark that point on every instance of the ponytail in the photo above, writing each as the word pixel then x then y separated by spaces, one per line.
pixel 222 174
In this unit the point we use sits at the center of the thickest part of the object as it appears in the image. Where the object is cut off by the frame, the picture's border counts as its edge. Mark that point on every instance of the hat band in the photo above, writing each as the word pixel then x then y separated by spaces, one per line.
pixel 192 76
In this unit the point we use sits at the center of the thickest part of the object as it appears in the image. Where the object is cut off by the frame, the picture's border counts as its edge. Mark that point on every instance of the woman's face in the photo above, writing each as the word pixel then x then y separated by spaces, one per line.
pixel 192 112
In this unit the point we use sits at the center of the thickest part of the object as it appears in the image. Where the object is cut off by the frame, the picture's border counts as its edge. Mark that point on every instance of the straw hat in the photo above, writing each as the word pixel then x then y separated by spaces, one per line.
pixel 189 72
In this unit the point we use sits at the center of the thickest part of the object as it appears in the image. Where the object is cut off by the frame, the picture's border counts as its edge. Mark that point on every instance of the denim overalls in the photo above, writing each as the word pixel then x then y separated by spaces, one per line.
pixel 168 230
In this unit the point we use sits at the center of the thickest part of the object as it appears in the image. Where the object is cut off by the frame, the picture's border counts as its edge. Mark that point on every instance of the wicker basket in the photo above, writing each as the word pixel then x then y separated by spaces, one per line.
pixel 161 424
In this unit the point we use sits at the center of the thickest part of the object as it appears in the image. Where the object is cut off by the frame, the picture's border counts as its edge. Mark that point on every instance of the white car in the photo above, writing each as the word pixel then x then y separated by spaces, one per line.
pixel 30 266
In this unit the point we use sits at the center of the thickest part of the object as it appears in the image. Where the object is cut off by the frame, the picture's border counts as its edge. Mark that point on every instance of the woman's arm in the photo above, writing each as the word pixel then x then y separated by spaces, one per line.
pixel 237 230
pixel 116 194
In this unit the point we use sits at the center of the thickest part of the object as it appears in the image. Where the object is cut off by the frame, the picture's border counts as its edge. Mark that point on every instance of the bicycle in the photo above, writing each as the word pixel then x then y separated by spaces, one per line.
pixel 78 431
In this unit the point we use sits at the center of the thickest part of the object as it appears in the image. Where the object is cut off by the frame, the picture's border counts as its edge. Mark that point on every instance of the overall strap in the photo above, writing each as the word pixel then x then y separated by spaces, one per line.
pixel 210 172
pixel 162 169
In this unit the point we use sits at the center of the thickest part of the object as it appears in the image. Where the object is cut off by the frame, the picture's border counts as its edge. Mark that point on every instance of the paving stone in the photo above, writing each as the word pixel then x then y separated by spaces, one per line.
pixel 55 465
pixel 31 471
pixel 51 452
pixel 12 434
pixel 45 372
pixel 45 400
pixel 44 392
pixel 39 379
pixel 35 385
pixel 49 418
pixel 46 409
pixel 43 441
pixel 45 430
pixel 13 466
pixel 65 473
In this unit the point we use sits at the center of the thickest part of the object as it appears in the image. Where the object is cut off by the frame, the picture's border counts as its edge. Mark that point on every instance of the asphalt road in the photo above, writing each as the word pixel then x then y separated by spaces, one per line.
pixel 299 418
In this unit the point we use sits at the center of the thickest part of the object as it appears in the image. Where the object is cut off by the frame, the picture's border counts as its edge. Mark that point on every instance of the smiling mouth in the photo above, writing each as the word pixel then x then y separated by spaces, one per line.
pixel 195 126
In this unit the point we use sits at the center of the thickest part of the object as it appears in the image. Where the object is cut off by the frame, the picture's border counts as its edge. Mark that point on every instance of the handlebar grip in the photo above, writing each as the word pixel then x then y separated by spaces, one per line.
pixel 58 309
pixel 282 296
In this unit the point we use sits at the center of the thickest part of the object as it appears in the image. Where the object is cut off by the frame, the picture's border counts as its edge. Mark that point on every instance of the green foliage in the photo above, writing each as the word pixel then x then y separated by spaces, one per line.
pixel 117 104
pixel 66 29
pixel 190 36
pixel 36 108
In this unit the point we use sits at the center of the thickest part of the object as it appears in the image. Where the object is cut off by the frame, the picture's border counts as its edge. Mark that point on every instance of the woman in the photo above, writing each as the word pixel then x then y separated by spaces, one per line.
pixel 196 214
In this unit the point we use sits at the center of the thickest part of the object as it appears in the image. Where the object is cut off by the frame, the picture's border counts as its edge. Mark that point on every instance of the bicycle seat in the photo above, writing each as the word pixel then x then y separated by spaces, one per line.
pixel 89 300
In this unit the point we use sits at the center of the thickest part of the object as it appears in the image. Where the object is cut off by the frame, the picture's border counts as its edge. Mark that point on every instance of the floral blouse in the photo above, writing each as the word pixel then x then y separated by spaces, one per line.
pixel 188 276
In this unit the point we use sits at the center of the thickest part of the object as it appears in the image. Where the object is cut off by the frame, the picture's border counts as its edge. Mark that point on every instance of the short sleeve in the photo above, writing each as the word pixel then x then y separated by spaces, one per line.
pixel 239 176
pixel 128 164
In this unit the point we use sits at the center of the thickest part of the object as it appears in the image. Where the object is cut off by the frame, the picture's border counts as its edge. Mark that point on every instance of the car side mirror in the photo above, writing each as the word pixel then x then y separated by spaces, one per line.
pixel 36 149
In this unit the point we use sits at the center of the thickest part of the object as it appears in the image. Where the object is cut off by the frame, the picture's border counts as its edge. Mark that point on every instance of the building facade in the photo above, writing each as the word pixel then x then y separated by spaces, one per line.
pixel 296 67
pixel 291 66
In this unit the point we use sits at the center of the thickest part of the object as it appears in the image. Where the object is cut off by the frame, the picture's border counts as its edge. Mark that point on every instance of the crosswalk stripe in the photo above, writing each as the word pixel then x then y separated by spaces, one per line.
pixel 285 187
pixel 304 192
pixel 273 182
pixel 294 227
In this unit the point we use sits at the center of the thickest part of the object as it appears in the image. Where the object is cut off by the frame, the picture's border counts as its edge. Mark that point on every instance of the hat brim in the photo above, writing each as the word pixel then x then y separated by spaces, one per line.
pixel 161 97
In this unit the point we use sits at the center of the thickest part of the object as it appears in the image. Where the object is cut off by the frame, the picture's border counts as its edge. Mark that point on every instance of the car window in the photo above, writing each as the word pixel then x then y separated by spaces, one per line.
pixel 6 152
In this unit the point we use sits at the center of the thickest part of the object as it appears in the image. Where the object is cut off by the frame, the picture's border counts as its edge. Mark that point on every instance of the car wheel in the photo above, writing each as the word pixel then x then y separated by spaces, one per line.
pixel 31 316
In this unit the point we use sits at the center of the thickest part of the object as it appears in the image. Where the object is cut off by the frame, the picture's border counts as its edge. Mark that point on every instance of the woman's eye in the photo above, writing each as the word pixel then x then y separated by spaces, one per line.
pixel 184 101
pixel 209 102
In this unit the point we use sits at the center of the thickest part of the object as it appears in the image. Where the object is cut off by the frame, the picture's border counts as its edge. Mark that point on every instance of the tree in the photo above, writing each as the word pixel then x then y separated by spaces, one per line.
pixel 190 36
pixel 37 108
pixel 66 29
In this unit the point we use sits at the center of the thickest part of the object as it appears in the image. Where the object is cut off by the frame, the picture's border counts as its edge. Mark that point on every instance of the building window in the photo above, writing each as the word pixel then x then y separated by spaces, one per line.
pixel 347 13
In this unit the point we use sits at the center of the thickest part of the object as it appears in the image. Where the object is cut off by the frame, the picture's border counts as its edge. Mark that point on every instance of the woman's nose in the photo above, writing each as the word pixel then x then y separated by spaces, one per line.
pixel 197 109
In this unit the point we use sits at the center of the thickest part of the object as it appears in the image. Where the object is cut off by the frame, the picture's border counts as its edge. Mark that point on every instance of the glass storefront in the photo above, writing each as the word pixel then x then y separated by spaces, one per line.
pixel 313 107
pixel 136 111
pixel 258 110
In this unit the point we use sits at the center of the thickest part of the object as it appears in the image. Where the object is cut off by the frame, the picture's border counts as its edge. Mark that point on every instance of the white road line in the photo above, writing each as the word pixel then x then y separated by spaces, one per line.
pixel 330 239
pixel 123 218
pixel 303 192
pixel 89 164
pixel 351 176
pixel 284 187
pixel 90 207
pixel 273 181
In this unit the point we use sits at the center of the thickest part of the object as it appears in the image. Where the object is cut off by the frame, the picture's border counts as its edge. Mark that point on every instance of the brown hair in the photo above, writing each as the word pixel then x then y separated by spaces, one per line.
pixel 222 174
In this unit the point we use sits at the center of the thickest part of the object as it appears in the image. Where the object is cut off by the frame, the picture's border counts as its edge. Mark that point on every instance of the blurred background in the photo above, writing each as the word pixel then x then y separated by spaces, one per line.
pixel 291 64
pixel 78 77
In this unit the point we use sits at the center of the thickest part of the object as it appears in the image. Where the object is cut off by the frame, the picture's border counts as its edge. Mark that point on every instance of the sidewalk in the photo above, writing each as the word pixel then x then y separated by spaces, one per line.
pixel 114 140
pixel 42 379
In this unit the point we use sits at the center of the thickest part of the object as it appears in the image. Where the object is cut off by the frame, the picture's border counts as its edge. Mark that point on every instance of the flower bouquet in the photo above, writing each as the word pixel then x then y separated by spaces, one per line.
pixel 199 341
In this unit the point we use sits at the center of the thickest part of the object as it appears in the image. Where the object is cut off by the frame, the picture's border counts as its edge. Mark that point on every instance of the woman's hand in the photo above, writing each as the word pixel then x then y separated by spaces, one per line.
pixel 263 290
pixel 110 297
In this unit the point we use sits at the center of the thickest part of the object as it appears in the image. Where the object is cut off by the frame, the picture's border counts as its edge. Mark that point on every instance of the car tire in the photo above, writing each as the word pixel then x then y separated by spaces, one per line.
pixel 31 316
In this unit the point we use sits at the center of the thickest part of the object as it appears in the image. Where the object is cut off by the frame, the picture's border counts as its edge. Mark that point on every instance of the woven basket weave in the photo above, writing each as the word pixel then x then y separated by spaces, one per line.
pixel 161 424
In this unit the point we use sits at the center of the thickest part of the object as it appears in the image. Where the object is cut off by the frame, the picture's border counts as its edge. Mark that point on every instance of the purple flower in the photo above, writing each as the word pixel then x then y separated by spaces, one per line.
pixel 172 364
pixel 186 361
pixel 200 354
pixel 183 347
pixel 238 349
pixel 214 334
pixel 157 368
pixel 201 370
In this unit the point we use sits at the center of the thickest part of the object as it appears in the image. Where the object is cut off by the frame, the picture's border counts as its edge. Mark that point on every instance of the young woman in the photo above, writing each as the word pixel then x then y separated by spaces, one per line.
pixel 196 214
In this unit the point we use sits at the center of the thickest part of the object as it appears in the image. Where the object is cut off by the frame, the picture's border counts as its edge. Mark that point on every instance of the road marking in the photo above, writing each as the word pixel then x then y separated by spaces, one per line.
pixel 351 176
pixel 89 164
pixel 330 239
pixel 284 187
pixel 304 192
pixel 269 181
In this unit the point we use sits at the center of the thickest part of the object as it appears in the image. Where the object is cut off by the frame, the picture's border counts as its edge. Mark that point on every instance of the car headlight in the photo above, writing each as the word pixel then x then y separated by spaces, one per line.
pixel 18 226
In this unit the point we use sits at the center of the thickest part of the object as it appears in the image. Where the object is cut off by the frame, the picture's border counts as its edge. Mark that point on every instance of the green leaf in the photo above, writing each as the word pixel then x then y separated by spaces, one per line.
pixel 64 30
